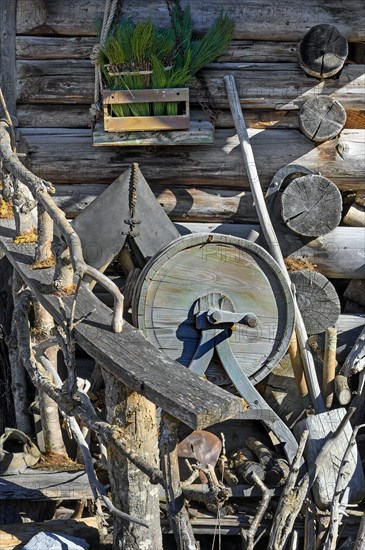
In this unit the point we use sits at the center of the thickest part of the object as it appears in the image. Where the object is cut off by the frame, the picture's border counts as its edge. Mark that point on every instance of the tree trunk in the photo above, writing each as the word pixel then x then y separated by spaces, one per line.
pixel 323 51
pixel 321 118
pixel 52 433
pixel 131 489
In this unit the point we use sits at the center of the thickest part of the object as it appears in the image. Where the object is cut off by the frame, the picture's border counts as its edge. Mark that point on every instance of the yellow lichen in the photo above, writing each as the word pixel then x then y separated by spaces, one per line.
pixel 45 264
pixel 6 210
pixel 65 291
pixel 30 237
pixel 293 264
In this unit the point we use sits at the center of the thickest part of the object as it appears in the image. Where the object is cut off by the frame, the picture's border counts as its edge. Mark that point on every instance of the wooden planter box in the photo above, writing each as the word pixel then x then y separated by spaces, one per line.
pixel 145 123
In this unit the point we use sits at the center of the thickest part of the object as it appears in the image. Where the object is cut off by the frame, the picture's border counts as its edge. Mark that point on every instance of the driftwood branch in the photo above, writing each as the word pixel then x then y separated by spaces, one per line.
pixel 68 405
pixel 339 504
pixel 97 488
pixel 249 535
pixel 355 361
pixel 39 188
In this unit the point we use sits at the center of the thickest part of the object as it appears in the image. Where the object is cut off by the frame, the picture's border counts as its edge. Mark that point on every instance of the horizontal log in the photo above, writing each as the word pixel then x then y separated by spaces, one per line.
pixel 42 485
pixel 14 535
pixel 54 47
pixel 339 254
pixel 67 156
pixel 127 355
pixel 79 47
pixel 259 85
pixel 78 116
pixel 275 21
pixel 180 203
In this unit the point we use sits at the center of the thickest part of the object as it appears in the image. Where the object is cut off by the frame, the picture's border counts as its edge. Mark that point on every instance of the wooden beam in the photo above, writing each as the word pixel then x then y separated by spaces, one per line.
pixel 36 484
pixel 78 116
pixel 67 156
pixel 275 21
pixel 260 85
pixel 7 53
pixel 128 355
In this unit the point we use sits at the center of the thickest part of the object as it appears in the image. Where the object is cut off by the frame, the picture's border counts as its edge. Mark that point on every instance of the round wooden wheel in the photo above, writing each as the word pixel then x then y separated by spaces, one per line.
pixel 194 265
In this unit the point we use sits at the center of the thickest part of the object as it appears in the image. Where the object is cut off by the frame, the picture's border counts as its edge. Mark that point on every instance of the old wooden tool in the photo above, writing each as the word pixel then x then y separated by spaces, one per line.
pixel 215 293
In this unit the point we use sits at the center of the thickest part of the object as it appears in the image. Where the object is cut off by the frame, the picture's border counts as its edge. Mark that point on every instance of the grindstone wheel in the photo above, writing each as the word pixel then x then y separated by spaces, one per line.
pixel 244 277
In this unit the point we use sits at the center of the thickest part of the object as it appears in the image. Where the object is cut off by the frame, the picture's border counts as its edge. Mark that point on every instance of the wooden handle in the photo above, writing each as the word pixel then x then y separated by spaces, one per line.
pixel 329 365
pixel 297 366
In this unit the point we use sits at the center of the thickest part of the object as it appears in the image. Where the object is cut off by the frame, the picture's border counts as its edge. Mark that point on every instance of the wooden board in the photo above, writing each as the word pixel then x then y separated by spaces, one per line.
pixel 341 160
pixel 200 132
pixel 260 85
pixel 275 21
pixel 44 484
pixel 182 272
pixel 128 355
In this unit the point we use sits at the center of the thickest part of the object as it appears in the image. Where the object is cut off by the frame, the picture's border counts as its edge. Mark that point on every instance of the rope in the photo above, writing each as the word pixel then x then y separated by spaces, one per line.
pixel 109 14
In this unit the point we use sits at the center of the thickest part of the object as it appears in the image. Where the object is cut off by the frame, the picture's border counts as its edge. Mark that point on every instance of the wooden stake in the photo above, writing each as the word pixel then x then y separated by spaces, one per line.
pixel 329 365
pixel 297 366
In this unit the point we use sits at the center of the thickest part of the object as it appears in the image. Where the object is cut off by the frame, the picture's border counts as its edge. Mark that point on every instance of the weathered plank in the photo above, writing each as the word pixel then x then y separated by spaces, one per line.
pixel 288 21
pixel 260 85
pixel 79 47
pixel 54 47
pixel 128 355
pixel 7 52
pixel 67 156
pixel 78 116
pixel 200 132
pixel 45 484
pixel 180 203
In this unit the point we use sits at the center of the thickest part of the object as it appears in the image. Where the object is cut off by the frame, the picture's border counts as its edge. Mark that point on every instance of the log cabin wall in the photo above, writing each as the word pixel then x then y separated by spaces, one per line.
pixel 55 85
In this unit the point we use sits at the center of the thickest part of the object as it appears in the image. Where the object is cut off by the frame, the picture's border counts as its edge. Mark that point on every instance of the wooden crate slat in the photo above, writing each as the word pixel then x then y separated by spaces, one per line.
pixel 164 95
pixel 200 132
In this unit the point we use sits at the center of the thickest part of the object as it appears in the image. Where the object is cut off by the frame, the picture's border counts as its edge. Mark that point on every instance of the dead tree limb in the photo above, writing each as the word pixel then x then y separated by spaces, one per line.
pixel 249 535
pixel 39 189
pixel 177 512
pixel 68 405
pixel 355 361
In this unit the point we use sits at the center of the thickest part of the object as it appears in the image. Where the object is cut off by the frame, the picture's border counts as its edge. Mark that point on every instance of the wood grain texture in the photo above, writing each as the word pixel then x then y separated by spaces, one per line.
pixel 187 269
pixel 7 53
pixel 311 205
pixel 128 355
pixel 79 47
pixel 321 427
pixel 78 116
pixel 322 51
pixel 341 160
pixel 276 21
pixel 317 300
pixel 322 118
pixel 44 484
pixel 260 85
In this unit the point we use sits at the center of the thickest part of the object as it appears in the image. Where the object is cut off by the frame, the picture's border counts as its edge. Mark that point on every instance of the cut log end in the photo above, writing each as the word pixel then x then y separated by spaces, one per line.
pixel 321 118
pixel 322 52
pixel 317 299
pixel 311 206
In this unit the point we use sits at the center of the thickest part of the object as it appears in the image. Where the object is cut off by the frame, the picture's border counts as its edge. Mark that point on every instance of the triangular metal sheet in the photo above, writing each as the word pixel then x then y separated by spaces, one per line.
pixel 104 225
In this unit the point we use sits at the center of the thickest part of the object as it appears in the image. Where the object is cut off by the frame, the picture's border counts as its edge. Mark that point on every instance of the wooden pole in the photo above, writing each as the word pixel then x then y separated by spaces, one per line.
pixel 271 239
pixel 329 365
